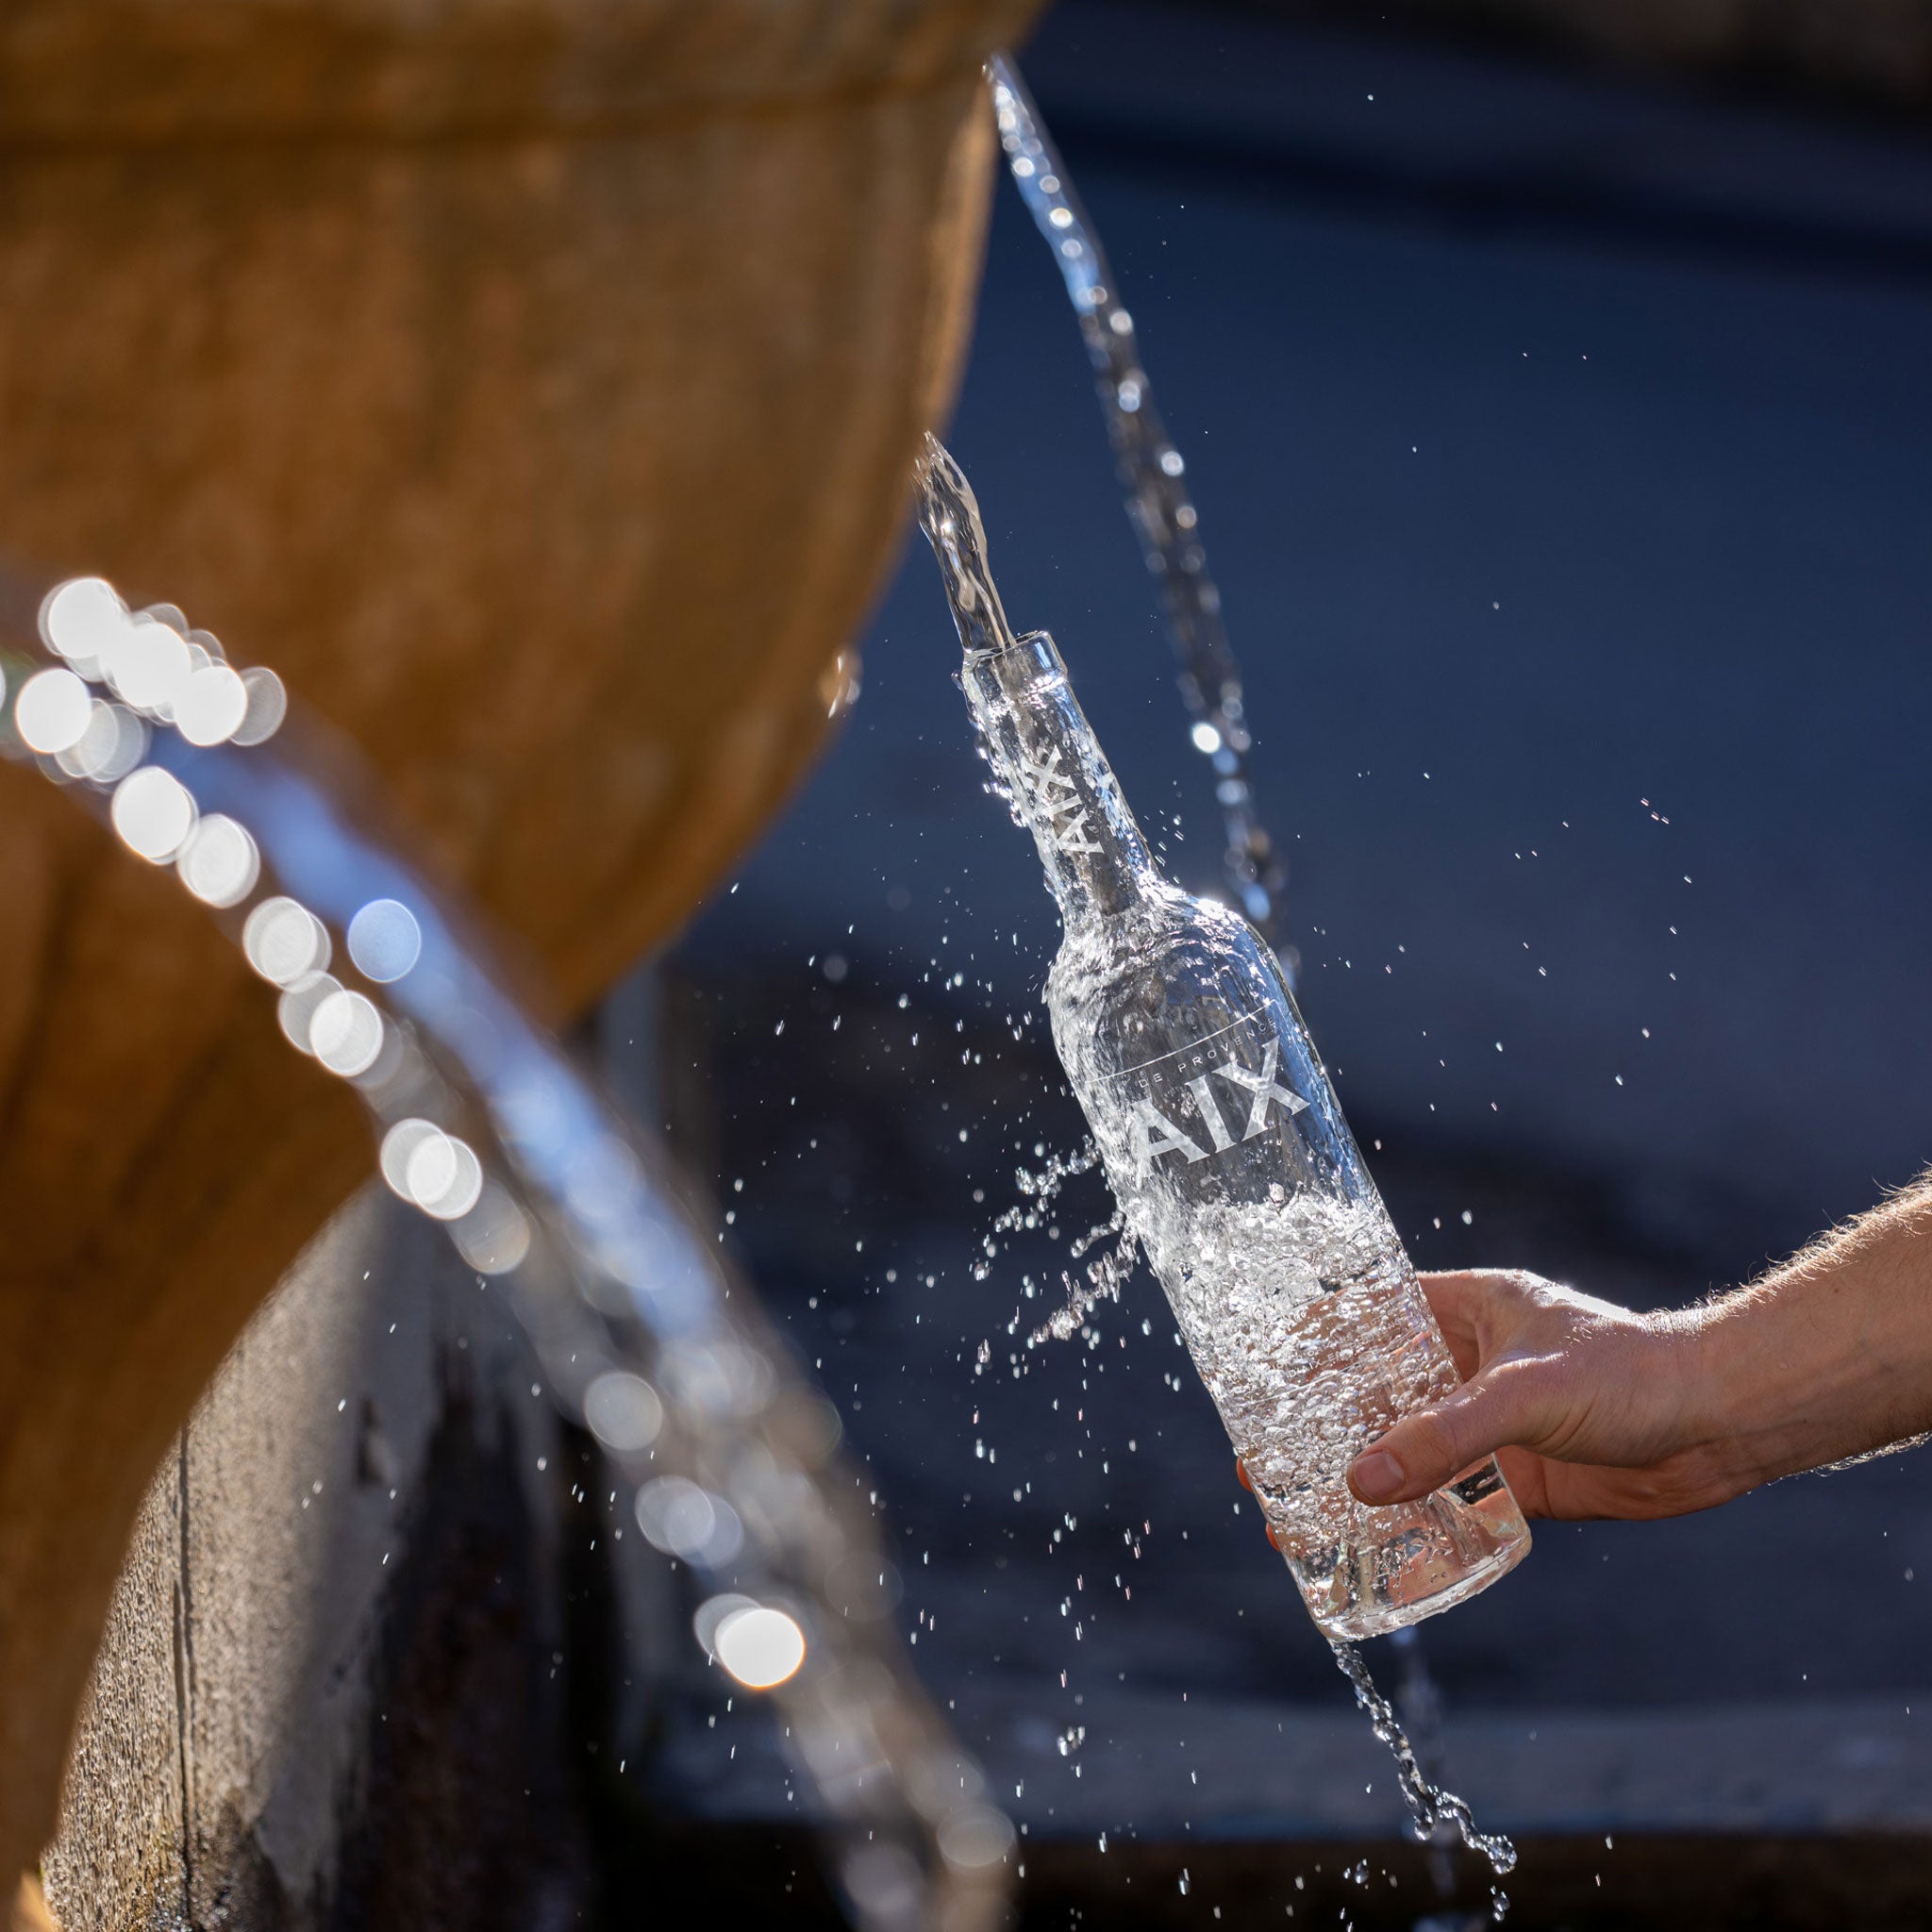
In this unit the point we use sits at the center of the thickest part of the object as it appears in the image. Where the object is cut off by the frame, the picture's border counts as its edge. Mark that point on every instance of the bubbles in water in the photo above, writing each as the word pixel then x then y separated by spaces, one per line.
pixel 296 1009
pixel 268 704
pixel 431 1170
pixel 148 665
pixel 51 711
pixel 684 1518
pixel 345 1034
pixel 494 1236
pixel 622 1411
pixel 211 706
pixel 219 864
pixel 284 941
pixel 82 619
pixel 152 813
pixel 385 941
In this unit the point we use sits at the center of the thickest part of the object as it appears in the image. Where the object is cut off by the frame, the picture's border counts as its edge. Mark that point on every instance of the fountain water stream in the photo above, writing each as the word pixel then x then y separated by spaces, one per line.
pixel 487 1126
pixel 1152 474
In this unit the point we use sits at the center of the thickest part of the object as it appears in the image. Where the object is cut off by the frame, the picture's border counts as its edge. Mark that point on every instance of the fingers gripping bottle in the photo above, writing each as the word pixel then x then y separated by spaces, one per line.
pixel 1226 1148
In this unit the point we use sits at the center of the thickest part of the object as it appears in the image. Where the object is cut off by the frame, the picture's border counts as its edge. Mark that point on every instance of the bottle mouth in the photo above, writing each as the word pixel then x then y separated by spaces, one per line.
pixel 1026 641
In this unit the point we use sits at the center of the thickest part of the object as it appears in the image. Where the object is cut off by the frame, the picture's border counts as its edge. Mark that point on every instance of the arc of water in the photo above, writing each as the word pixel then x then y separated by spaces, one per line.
pixel 624 1295
pixel 1152 473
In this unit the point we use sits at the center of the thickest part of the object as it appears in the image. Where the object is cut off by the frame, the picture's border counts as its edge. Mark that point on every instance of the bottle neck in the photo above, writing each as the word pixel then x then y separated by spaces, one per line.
pixel 1044 751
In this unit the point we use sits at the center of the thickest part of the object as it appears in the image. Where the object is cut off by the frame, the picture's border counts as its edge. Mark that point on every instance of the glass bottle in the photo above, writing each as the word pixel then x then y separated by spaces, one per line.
pixel 1226 1149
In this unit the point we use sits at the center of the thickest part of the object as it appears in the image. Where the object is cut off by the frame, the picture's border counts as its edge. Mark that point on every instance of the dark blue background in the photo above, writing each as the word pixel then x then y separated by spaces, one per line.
pixel 1606 483
pixel 1561 447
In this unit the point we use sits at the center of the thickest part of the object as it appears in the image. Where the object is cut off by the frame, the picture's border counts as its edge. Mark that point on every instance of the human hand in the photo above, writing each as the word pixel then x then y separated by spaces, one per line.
pixel 1592 1410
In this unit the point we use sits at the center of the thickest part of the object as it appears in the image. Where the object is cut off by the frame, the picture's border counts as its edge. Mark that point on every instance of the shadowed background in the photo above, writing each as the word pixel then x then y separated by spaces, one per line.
pixel 1559 437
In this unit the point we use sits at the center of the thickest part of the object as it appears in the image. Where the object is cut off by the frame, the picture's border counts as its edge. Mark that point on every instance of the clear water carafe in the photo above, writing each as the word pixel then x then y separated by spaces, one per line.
pixel 1226 1149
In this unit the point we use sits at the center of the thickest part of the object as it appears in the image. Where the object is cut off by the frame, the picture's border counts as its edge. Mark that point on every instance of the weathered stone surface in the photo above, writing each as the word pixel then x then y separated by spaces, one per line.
pixel 534 385
pixel 124 1825
pixel 326 1694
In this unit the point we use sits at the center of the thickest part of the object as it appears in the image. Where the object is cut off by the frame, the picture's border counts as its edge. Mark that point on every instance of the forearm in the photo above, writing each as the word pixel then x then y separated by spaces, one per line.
pixel 1598 1411
pixel 1828 1356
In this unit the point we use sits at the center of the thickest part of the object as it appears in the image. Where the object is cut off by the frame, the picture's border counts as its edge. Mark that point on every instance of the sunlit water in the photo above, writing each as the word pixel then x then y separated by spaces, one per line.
pixel 1429 1805
pixel 1230 1165
pixel 1251 1384
pixel 622 1290
pixel 1153 477
pixel 1103 1257
pixel 1306 1324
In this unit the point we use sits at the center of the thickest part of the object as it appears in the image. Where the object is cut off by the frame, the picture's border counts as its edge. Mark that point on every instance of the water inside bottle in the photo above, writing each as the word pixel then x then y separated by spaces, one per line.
pixel 1306 1324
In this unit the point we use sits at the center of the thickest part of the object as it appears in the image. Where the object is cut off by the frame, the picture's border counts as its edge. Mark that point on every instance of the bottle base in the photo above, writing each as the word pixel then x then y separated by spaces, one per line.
pixel 1379 1618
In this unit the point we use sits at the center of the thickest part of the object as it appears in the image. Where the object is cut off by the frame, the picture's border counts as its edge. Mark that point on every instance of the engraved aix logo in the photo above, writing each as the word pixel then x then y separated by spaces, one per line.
pixel 1218 1114
pixel 1060 799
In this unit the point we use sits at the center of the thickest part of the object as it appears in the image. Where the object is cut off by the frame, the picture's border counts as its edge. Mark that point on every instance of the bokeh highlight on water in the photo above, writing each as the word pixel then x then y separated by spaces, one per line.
pixel 486 1125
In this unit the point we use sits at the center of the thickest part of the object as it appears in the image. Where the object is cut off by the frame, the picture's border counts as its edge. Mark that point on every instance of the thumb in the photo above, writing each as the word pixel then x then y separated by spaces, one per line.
pixel 1435 1445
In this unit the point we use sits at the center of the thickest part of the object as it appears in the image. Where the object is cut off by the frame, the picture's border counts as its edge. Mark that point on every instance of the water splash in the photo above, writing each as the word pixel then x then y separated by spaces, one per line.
pixel 1101 1280
pixel 1430 1807
pixel 1152 473
pixel 1098 1279
pixel 1225 1149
